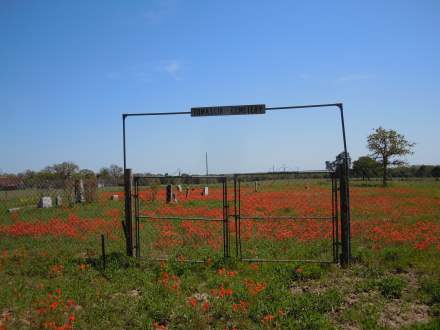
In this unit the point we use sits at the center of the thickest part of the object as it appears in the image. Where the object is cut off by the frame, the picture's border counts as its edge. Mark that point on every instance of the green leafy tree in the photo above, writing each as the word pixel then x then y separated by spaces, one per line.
pixel 436 172
pixel 86 173
pixel 366 166
pixel 387 147
pixel 63 170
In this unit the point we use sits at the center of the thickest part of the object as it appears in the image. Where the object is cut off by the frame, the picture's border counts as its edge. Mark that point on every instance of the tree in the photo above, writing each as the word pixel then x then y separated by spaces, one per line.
pixel 116 173
pixel 86 173
pixel 436 172
pixel 63 170
pixel 423 171
pixel 366 166
pixel 387 146
pixel 104 175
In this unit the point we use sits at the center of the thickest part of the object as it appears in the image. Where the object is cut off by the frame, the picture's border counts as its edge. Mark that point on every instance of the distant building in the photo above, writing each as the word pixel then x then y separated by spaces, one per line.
pixel 10 183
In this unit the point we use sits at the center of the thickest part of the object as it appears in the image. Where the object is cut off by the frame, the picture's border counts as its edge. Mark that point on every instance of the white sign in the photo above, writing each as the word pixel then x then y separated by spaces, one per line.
pixel 252 109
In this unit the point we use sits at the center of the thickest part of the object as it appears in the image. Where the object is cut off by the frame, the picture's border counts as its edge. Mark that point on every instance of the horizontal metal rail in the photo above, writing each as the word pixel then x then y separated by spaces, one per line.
pixel 181 218
pixel 286 217
pixel 339 105
pixel 284 173
pixel 198 261
pixel 124 115
pixel 232 175
pixel 288 260
pixel 189 177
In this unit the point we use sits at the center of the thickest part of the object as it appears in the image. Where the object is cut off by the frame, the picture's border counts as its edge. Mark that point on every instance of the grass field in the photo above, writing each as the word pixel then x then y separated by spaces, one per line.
pixel 52 275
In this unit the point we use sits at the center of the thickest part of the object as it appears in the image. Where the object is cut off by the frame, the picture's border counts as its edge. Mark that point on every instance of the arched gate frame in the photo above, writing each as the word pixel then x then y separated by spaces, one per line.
pixel 340 182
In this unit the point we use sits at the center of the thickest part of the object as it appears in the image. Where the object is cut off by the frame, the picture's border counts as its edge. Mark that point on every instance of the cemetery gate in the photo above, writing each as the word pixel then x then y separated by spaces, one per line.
pixel 161 231
pixel 137 201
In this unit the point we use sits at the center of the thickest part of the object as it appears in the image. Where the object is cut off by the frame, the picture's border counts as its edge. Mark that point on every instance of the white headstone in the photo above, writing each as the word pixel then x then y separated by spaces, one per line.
pixel 115 197
pixel 58 201
pixel 45 202
pixel 179 187
pixel 205 191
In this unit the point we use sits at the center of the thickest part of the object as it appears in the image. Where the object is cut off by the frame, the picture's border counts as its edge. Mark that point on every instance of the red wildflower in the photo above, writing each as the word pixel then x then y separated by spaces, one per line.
pixel 268 318
pixel 192 301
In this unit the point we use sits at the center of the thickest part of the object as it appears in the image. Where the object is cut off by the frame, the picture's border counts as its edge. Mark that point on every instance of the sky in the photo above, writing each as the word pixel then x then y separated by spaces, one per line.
pixel 69 69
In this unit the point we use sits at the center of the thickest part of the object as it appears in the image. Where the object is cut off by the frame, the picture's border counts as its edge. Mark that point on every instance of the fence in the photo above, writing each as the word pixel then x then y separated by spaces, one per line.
pixel 252 216
pixel 60 216
pixel 203 217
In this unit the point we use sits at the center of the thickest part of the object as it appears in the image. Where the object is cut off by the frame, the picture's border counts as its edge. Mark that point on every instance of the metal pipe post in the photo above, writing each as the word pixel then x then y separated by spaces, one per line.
pixel 128 182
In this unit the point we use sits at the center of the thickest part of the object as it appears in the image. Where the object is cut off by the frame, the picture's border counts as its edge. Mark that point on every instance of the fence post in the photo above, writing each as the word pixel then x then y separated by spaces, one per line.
pixel 128 183
pixel 345 216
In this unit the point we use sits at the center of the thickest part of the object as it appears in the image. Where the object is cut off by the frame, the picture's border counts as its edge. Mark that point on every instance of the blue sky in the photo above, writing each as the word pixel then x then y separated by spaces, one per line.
pixel 68 69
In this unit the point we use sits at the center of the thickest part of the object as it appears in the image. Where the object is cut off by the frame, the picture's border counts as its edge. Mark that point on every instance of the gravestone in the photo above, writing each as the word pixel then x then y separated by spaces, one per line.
pixel 179 188
pixel 45 202
pixel 58 201
pixel 169 193
pixel 115 197
pixel 205 191
pixel 79 191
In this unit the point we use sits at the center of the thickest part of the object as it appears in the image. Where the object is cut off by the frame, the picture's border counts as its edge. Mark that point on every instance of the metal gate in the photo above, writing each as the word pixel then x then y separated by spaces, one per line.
pixel 158 217
pixel 281 227
pixel 154 208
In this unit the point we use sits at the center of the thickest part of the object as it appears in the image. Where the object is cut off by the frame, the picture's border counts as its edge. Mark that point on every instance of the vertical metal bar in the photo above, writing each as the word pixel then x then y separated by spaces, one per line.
pixel 104 261
pixel 128 182
pixel 224 230
pixel 337 218
pixel 333 218
pixel 239 218
pixel 345 235
pixel 235 216
pixel 346 211
pixel 123 141
pixel 228 246
pixel 137 210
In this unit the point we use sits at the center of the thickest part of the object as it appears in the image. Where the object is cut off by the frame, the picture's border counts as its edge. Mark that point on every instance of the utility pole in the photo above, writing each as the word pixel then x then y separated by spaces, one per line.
pixel 206 162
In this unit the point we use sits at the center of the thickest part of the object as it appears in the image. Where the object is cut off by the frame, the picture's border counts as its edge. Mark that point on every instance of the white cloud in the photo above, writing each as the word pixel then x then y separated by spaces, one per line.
pixel 172 67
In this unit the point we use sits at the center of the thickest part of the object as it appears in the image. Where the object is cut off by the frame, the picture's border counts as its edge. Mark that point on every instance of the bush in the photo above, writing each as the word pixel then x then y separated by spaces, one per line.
pixel 391 287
